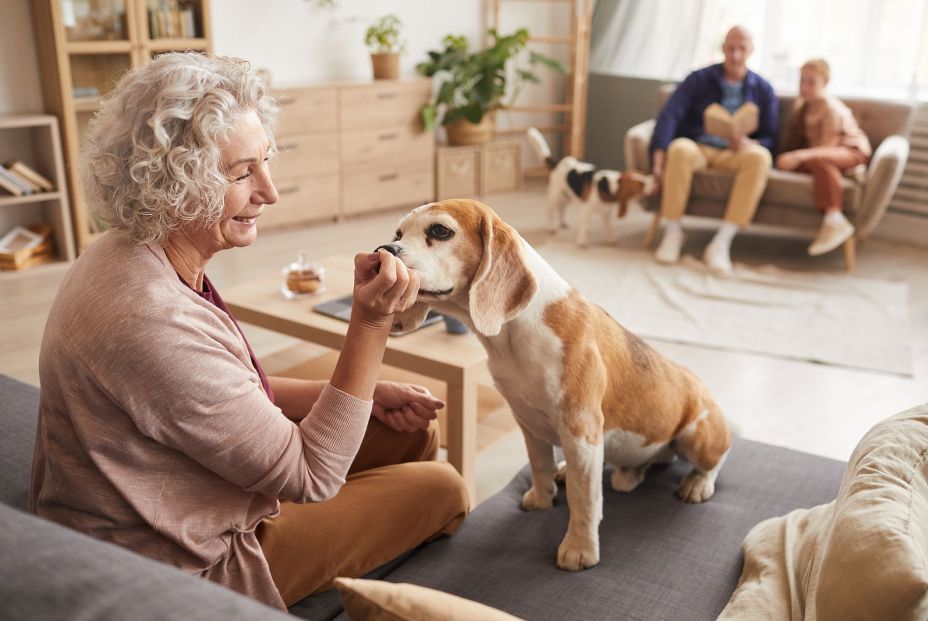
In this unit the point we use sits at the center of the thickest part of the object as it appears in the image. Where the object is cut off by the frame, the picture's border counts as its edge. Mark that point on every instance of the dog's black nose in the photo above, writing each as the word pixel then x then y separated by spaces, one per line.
pixel 391 248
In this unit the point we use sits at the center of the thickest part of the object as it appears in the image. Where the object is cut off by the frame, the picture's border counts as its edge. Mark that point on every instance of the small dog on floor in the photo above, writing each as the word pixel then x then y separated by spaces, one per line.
pixel 572 182
pixel 572 375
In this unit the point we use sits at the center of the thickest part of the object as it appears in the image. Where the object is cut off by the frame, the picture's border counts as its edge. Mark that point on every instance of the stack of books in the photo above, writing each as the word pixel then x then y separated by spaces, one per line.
pixel 21 180
pixel 169 20
pixel 24 247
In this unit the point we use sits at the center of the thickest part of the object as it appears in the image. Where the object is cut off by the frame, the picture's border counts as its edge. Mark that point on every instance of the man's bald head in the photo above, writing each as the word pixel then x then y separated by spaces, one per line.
pixel 737 48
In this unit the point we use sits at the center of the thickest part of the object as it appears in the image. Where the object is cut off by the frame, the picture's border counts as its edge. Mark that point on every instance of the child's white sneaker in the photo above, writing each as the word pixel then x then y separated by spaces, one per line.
pixel 833 233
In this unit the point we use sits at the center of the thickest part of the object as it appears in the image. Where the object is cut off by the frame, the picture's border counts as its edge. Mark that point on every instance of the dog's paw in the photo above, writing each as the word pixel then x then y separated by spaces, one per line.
pixel 534 499
pixel 561 475
pixel 627 479
pixel 573 556
pixel 696 487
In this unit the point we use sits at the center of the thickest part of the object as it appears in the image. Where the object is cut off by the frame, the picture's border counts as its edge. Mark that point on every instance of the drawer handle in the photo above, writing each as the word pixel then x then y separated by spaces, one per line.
pixel 289 146
pixel 293 189
pixel 460 167
pixel 390 136
pixel 286 100
pixel 502 160
pixel 389 177
pixel 386 95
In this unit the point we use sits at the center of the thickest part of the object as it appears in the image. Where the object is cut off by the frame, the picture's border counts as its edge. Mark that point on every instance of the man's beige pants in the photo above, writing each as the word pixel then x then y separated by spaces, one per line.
pixel 751 166
pixel 396 496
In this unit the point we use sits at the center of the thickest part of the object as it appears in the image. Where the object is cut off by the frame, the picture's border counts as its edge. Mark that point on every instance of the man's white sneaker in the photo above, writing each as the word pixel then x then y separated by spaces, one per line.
pixel 671 244
pixel 717 258
pixel 830 236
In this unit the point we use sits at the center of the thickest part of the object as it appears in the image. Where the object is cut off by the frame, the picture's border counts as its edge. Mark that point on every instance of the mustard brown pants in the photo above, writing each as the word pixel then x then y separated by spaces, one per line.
pixel 396 497
pixel 751 166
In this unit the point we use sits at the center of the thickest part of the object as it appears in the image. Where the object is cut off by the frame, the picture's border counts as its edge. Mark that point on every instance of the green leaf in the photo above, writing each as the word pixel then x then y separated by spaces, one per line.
pixel 429 114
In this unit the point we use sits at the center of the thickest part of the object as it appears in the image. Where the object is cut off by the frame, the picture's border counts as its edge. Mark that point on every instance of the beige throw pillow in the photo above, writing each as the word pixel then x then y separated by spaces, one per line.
pixel 374 600
pixel 864 556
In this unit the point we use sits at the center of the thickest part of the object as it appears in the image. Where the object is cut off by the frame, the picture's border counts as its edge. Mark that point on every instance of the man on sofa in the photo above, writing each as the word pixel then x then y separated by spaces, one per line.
pixel 680 147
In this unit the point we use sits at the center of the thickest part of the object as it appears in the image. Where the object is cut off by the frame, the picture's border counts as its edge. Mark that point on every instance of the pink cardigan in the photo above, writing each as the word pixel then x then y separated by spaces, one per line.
pixel 154 432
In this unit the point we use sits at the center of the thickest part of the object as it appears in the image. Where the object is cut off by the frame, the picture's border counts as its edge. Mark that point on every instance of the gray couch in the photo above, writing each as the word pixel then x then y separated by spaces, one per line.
pixel 788 200
pixel 661 558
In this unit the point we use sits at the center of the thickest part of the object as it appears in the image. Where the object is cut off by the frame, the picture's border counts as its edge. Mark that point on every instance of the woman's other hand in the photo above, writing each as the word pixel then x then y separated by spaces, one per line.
pixel 405 407
pixel 791 160
pixel 383 286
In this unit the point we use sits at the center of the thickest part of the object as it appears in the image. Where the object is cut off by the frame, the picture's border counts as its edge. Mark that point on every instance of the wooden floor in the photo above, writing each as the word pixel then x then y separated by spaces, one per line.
pixel 810 407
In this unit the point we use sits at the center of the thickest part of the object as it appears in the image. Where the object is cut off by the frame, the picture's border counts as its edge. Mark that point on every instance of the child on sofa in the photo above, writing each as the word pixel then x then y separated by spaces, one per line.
pixel 824 141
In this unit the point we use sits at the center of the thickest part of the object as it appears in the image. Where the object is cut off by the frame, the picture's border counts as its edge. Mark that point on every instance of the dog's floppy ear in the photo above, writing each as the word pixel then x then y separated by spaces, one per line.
pixel 503 284
pixel 629 186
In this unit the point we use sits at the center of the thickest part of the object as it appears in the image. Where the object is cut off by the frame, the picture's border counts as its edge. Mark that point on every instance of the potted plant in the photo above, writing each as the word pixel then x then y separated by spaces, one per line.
pixel 383 40
pixel 474 85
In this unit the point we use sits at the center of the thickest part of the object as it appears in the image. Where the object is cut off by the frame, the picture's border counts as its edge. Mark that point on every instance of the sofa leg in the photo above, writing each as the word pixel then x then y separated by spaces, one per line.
pixel 652 230
pixel 850 254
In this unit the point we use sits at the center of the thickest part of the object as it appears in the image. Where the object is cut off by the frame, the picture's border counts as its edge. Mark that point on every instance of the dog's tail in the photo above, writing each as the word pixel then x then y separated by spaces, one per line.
pixel 541 148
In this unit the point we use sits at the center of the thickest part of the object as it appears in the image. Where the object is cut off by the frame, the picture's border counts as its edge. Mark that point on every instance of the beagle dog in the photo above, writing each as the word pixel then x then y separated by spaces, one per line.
pixel 574 182
pixel 572 375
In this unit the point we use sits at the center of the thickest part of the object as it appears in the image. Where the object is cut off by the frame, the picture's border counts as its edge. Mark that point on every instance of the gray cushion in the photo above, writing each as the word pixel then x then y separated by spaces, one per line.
pixel 661 558
pixel 51 572
pixel 19 409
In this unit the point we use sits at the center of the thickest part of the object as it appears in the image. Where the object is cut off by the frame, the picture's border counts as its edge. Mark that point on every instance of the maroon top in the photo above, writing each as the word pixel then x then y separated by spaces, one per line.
pixel 212 296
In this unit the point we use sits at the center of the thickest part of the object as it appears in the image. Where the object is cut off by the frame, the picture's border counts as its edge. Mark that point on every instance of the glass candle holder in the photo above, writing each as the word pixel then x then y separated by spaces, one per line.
pixel 302 277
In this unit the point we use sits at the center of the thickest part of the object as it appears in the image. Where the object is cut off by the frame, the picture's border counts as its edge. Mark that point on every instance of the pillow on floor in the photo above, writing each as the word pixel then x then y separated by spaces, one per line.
pixel 864 556
pixel 374 600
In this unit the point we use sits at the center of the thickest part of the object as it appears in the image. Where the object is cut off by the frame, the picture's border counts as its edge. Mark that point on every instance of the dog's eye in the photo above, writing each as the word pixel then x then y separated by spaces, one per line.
pixel 398 235
pixel 439 232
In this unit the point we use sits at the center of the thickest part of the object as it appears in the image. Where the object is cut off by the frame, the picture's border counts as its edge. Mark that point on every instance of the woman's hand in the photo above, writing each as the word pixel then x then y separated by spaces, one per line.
pixel 791 160
pixel 383 286
pixel 405 407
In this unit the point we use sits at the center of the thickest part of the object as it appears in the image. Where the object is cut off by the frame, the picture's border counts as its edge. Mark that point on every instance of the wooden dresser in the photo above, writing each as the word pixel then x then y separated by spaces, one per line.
pixel 349 149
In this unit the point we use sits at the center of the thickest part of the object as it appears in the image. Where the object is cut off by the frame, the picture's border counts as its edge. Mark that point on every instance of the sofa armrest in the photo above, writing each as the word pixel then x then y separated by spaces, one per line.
pixel 883 176
pixel 637 139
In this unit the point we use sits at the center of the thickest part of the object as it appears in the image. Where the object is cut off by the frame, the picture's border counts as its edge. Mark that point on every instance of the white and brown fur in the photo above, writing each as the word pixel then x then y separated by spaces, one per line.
pixel 572 182
pixel 572 375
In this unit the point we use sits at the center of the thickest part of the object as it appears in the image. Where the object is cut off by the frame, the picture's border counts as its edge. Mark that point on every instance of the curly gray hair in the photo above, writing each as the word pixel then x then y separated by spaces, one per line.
pixel 151 162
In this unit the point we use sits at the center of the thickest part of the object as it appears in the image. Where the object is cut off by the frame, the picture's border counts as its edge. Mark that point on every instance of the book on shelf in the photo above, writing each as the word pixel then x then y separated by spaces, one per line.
pixel 14 184
pixel 24 247
pixel 30 174
pixel 719 122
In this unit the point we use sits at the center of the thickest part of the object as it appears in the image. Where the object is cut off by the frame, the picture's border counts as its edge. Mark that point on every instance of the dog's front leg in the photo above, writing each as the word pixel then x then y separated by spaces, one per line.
pixel 584 227
pixel 541 459
pixel 584 455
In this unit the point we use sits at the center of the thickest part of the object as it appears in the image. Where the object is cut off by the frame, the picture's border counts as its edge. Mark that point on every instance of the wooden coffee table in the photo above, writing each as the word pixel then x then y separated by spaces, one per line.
pixel 457 360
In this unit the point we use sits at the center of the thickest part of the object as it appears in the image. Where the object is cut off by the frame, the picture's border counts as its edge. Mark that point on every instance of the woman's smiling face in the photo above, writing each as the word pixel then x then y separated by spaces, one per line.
pixel 245 164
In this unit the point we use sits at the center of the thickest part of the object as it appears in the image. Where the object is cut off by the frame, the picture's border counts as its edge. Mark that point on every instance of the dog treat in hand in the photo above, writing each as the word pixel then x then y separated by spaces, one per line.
pixel 302 277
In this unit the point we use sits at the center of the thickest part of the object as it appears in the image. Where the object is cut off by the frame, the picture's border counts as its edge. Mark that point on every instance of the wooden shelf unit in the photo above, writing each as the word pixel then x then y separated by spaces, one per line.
pixel 35 140
pixel 66 64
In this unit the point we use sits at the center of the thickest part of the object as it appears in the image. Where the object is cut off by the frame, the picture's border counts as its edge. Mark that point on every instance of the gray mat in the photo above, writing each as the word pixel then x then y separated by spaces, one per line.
pixel 661 558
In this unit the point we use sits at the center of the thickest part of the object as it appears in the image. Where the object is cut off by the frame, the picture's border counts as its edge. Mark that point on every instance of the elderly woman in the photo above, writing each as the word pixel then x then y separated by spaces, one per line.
pixel 158 429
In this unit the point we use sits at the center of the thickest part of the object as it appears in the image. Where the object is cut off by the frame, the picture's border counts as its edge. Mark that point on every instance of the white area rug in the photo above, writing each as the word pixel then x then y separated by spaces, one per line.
pixel 825 318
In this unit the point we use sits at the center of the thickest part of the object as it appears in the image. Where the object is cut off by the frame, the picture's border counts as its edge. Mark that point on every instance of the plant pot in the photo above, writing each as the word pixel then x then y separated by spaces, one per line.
pixel 386 65
pixel 463 132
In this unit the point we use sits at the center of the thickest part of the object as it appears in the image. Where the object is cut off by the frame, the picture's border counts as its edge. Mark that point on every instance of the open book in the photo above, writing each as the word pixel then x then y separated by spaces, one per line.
pixel 718 122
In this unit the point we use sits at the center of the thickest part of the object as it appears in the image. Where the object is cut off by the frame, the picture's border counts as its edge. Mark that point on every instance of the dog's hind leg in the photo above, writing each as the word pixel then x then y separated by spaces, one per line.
pixel 704 442
pixel 541 460
pixel 557 204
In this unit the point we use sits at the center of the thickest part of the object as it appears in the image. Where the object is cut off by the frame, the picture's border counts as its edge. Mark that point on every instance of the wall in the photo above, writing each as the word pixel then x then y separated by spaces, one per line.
pixel 616 103
pixel 20 90
pixel 300 42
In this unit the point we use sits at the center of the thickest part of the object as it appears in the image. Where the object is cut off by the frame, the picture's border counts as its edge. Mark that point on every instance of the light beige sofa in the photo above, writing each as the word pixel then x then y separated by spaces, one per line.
pixel 788 200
